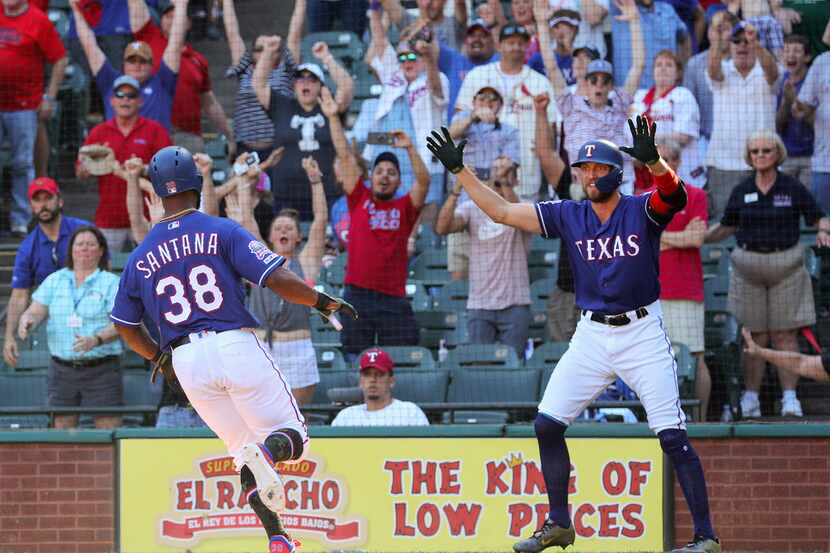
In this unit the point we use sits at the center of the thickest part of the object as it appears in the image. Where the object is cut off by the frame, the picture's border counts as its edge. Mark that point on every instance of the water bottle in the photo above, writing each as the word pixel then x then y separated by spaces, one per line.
pixel 442 351
pixel 529 349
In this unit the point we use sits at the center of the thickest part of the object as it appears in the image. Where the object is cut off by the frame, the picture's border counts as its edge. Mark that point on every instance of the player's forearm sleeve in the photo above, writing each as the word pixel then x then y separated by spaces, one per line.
pixel 670 197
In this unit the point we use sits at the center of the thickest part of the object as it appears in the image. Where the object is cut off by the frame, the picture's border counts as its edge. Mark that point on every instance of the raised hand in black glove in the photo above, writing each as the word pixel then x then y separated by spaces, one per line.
pixel 447 152
pixel 326 305
pixel 643 147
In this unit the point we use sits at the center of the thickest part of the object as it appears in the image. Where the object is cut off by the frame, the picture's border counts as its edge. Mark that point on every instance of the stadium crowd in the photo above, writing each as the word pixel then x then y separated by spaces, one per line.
pixel 324 159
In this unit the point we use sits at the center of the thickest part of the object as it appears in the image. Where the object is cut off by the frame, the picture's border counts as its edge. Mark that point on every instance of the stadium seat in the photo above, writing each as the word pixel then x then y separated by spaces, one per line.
pixel 538 325
pixel 453 296
pixel 722 340
pixel 435 325
pixel 138 390
pixel 60 19
pixel 345 46
pixel 715 259
pixel 542 258
pixel 430 267
pixel 217 147
pixel 323 335
pixel 421 386
pixel 493 385
pixel 366 84
pixel 547 355
pixel 23 390
pixel 333 379
pixel 483 356
pixel 475 417
pixel 329 359
pixel 335 273
pixel 132 360
pixel 118 260
pixel 716 292
pixel 686 369
pixel 545 374
pixel 418 296
pixel 537 242
pixel 541 272
pixel 540 292
pixel 408 358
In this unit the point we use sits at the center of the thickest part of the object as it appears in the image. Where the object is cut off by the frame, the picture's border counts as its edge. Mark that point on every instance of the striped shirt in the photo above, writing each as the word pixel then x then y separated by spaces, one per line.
pixel 251 122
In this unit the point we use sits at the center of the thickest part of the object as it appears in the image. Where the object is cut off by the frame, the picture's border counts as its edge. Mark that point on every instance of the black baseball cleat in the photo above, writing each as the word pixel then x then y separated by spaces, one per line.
pixel 548 535
pixel 700 544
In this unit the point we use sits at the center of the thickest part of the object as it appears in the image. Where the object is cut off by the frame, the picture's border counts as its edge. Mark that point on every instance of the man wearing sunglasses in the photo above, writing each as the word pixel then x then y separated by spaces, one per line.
pixel 127 134
pixel 603 109
pixel 743 94
pixel 517 84
pixel 157 89
pixel 41 253
pixel 479 48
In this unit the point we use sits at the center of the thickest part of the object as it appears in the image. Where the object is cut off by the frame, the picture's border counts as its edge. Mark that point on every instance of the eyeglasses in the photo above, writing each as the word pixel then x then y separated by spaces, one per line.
pixel 407 56
pixel 307 77
pixel 600 80
pixel 739 41
pixel 136 60
pixel 127 95
pixel 488 97
pixel 764 151
pixel 258 49
pixel 513 30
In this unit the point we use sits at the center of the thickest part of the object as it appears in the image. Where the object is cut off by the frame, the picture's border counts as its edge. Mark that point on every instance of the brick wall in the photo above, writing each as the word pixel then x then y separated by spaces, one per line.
pixel 765 494
pixel 56 498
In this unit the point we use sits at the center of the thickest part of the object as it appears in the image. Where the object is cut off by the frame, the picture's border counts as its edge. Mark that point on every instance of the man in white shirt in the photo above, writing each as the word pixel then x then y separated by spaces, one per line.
pixel 743 91
pixel 517 84
pixel 379 407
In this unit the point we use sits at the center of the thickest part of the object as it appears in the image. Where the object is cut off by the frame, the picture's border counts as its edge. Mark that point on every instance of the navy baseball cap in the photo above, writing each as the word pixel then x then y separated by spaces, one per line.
pixel 592 53
pixel 390 157
pixel 477 24
pixel 600 66
pixel 126 80
pixel 511 29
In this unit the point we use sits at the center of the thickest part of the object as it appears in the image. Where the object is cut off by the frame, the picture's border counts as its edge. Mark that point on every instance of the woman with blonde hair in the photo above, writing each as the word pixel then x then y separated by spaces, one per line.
pixel 769 288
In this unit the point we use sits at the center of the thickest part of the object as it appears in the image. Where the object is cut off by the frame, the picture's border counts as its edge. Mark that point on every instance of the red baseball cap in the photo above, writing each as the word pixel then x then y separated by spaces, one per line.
pixel 43 184
pixel 376 358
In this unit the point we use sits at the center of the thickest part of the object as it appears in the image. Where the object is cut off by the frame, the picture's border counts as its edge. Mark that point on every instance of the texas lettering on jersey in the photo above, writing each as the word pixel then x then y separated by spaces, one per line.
pixel 608 248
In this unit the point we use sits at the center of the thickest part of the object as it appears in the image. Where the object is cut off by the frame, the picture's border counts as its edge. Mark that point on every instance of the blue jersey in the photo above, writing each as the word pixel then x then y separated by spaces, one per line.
pixel 186 273
pixel 615 264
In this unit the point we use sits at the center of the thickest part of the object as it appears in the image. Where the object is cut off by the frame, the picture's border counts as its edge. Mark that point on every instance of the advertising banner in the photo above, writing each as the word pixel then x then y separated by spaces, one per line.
pixel 390 494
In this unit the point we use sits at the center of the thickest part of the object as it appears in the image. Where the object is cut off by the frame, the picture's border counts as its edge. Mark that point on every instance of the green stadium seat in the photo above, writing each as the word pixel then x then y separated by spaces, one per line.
pixel 60 19
pixel 547 355
pixel 453 296
pixel 23 390
pixel 73 99
pixel 132 360
pixel 217 147
pixel 345 46
pixel 335 273
pixel 541 273
pixel 493 385
pixel 32 360
pixel 542 258
pixel 430 267
pixel 330 359
pixel 713 256
pixel 323 335
pixel 538 324
pixel 716 292
pixel 435 325
pixel 408 358
pixel 686 369
pixel 483 356
pixel 545 375
pixel 118 260
pixel 418 296
pixel 366 84
pixel 475 417
pixel 138 390
pixel 540 291
pixel 332 379
pixel 421 386
pixel 722 340
pixel 537 242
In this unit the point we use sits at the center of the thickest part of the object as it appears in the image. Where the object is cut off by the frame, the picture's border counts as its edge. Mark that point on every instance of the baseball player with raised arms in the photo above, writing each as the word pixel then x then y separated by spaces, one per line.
pixel 185 276
pixel 613 241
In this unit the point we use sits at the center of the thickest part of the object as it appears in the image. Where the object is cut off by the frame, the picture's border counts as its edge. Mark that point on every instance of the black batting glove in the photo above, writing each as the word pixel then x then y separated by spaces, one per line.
pixel 326 305
pixel 447 152
pixel 644 149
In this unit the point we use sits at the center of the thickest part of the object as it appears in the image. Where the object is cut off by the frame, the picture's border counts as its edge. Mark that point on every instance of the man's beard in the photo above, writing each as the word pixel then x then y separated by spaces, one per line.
pixel 385 196
pixel 601 197
pixel 53 214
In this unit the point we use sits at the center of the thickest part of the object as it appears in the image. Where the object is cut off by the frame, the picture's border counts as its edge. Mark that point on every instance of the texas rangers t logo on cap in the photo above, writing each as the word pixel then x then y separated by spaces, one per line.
pixel 171 186
pixel 373 356
pixel 589 150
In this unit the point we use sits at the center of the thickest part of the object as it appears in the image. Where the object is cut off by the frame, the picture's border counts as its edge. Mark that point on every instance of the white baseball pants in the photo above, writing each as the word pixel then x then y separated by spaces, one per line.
pixel 234 384
pixel 639 353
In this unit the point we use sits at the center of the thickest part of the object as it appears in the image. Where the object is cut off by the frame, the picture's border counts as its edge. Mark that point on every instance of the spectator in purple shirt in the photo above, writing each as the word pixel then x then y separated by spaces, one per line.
pixel 157 89
pixel 795 128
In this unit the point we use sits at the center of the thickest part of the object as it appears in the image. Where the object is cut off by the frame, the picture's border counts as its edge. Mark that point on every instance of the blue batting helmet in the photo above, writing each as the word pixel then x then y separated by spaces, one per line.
pixel 173 171
pixel 599 151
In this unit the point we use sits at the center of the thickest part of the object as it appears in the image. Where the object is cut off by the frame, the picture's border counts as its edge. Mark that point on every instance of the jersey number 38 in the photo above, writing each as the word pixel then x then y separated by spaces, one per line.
pixel 205 293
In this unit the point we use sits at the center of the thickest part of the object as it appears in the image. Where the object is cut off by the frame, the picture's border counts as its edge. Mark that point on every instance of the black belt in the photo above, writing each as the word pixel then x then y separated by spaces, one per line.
pixel 764 249
pixel 84 363
pixel 616 320
pixel 180 341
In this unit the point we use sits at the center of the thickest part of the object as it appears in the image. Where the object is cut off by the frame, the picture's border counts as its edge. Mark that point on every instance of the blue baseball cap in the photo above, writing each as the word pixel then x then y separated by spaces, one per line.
pixel 600 66
pixel 128 81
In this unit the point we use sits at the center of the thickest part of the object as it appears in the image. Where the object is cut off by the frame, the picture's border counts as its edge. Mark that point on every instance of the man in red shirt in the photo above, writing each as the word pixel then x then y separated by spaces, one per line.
pixel 128 134
pixel 193 90
pixel 378 233
pixel 681 276
pixel 28 41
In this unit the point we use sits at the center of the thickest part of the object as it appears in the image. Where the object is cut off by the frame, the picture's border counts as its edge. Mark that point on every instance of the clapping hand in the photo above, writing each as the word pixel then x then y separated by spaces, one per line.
pixel 643 147
pixel 327 104
pixel 448 153
pixel 321 51
pixel 628 10
pixel 204 163
pixel 154 207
